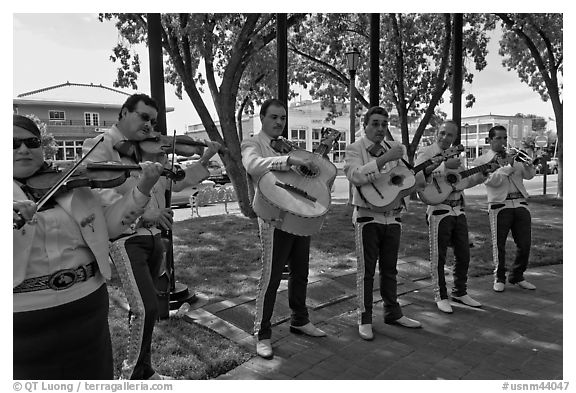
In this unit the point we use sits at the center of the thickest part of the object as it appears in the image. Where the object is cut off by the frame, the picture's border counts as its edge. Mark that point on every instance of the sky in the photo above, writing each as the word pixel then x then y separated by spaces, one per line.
pixel 50 49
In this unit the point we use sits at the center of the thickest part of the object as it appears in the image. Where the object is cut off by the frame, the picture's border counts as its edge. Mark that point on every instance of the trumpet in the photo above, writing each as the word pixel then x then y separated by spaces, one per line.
pixel 521 156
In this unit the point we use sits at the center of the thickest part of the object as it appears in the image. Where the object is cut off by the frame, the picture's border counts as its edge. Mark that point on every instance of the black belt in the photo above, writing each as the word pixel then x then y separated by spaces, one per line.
pixel 514 195
pixel 62 279
pixel 454 203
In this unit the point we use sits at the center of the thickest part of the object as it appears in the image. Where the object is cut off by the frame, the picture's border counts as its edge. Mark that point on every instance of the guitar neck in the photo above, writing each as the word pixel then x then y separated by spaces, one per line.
pixel 421 166
pixel 323 149
pixel 478 169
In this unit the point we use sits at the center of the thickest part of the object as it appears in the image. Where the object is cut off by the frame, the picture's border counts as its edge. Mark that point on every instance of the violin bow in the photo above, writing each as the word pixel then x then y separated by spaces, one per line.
pixel 62 180
pixel 55 187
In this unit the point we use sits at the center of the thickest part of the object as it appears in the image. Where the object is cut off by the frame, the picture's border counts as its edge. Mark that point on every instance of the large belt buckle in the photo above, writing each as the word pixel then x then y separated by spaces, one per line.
pixel 63 279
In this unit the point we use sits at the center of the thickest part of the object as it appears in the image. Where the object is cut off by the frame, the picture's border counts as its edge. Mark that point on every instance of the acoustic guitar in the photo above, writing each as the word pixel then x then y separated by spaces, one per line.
pixel 397 183
pixel 443 184
pixel 296 201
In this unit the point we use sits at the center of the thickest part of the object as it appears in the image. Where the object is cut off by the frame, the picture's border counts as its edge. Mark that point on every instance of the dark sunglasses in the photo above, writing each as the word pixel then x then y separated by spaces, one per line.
pixel 146 118
pixel 31 143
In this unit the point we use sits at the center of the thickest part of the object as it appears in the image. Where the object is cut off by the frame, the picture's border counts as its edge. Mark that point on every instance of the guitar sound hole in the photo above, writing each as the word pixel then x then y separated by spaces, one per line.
pixel 451 178
pixel 397 180
pixel 304 171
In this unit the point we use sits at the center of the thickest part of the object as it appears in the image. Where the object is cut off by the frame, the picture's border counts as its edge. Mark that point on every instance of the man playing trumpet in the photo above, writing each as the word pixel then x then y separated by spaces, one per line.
pixel 508 210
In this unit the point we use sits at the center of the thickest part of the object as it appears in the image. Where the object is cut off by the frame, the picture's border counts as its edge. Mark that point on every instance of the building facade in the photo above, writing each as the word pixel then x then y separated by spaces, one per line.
pixel 474 132
pixel 73 112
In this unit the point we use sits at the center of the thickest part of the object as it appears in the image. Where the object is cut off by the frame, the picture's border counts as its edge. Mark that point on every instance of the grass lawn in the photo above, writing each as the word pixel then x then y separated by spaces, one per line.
pixel 219 256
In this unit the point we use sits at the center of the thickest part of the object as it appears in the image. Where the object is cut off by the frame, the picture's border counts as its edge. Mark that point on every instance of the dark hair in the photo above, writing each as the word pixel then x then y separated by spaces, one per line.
pixel 26 123
pixel 270 102
pixel 134 99
pixel 375 110
pixel 492 131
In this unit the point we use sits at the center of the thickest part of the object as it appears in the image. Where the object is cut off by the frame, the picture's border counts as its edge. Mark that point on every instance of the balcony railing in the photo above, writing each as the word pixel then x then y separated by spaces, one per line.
pixel 77 123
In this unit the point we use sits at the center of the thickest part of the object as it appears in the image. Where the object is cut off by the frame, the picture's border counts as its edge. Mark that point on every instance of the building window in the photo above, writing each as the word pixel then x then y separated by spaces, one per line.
pixel 56 117
pixel 316 137
pixel 69 150
pixel 91 119
pixel 338 151
pixel 298 136
pixel 515 131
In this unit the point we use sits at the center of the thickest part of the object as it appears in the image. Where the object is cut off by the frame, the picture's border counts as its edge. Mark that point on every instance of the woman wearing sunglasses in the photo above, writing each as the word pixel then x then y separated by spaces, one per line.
pixel 60 300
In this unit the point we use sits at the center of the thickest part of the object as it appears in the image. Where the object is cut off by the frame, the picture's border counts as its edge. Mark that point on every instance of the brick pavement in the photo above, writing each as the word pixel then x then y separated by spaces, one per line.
pixel 516 335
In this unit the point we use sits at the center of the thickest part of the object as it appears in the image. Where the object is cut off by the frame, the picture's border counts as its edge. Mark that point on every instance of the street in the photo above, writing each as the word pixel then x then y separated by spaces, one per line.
pixel 533 186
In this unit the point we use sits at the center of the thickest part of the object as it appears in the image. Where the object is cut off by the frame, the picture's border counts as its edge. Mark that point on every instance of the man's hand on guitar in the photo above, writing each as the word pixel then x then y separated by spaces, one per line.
pixel 436 161
pixel 396 152
pixel 452 163
pixel 300 161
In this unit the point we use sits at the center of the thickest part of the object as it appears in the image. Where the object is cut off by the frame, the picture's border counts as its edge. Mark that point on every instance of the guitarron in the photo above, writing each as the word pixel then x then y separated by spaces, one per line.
pixel 296 201
pixel 397 183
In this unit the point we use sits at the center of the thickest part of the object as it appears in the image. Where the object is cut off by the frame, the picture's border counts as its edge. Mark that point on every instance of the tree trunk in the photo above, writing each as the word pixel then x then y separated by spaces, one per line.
pixel 559 113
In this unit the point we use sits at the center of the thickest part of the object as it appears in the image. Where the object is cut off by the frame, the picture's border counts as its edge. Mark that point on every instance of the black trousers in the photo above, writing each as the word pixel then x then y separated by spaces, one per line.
pixel 70 341
pixel 138 259
pixel 445 229
pixel 518 221
pixel 278 249
pixel 377 244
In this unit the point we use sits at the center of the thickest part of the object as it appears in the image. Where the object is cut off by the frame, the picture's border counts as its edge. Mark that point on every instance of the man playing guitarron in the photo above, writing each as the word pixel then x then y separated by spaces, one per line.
pixel 260 154
pixel 377 232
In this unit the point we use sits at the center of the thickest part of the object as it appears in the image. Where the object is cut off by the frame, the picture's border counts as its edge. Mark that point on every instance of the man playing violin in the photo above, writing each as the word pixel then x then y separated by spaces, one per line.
pixel 262 153
pixel 60 263
pixel 139 252
pixel 508 210
pixel 447 223
pixel 377 232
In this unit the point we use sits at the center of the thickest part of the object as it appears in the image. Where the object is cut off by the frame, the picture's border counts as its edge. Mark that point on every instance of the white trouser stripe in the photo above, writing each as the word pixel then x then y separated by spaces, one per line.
pixel 136 324
pixel 267 244
pixel 433 225
pixel 360 268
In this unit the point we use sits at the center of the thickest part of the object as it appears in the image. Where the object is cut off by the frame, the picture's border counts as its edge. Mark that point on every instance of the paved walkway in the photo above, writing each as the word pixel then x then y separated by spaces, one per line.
pixel 517 334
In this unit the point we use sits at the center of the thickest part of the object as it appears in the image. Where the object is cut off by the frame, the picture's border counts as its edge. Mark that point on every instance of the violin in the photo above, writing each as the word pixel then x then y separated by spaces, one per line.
pixel 158 144
pixel 92 175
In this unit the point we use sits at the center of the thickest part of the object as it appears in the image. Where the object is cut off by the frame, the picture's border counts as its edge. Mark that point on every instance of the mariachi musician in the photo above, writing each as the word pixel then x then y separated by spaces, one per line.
pixel 60 264
pixel 447 223
pixel 139 252
pixel 261 153
pixel 377 232
pixel 508 210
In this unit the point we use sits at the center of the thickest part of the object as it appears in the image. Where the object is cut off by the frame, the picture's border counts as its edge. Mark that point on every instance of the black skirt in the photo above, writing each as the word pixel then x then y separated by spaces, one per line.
pixel 71 341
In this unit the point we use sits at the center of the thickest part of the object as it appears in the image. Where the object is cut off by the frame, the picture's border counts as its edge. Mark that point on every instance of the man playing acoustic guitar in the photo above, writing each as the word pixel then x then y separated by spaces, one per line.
pixel 279 248
pixel 447 223
pixel 377 232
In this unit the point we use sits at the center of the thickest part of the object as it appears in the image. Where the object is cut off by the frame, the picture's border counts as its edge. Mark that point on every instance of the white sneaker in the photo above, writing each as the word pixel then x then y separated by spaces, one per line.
pixel 264 349
pixel 444 306
pixel 365 331
pixel 498 286
pixel 467 300
pixel 525 285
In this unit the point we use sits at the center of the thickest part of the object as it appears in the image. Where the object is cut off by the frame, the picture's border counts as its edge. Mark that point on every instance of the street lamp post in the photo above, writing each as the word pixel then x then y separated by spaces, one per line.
pixel 466 128
pixel 352 59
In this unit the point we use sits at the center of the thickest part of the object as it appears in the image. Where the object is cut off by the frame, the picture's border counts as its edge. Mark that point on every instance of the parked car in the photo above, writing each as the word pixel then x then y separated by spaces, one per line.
pixel 217 172
pixel 182 198
pixel 552 166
